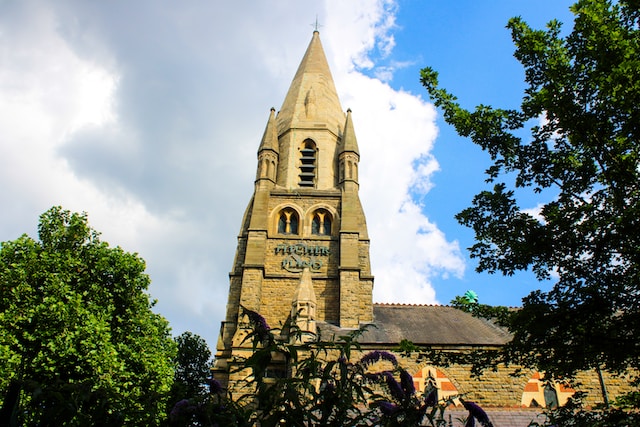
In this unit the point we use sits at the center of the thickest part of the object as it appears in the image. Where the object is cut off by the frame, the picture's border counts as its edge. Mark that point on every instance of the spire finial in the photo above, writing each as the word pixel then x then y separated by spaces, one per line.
pixel 316 25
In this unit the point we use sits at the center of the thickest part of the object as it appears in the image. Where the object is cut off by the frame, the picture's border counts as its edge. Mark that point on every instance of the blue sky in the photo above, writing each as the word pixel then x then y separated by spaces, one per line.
pixel 475 62
pixel 468 44
pixel 147 115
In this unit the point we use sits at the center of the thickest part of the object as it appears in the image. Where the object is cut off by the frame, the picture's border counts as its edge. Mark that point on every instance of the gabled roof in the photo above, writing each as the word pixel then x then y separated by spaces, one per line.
pixel 433 325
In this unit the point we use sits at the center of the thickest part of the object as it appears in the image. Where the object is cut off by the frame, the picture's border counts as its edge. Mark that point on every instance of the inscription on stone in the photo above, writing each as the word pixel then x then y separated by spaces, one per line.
pixel 300 255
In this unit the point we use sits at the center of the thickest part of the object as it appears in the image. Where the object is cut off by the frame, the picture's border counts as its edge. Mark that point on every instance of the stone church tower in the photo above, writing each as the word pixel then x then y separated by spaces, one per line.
pixel 303 247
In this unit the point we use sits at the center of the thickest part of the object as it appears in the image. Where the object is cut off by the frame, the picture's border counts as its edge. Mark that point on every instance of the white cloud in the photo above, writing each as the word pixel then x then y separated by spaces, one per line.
pixel 94 97
pixel 397 162
pixel 149 120
pixel 47 92
pixel 355 30
pixel 536 212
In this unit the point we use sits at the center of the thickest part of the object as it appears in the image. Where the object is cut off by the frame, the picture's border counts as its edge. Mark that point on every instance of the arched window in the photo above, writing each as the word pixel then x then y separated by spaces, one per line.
pixel 321 223
pixel 430 377
pixel 288 222
pixel 550 397
pixel 538 392
pixel 308 164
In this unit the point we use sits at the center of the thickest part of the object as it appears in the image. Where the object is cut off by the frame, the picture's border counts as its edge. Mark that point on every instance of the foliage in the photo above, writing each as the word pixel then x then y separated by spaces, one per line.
pixel 479 360
pixel 586 89
pixel 501 315
pixel 325 383
pixel 573 415
pixel 581 102
pixel 192 368
pixel 79 344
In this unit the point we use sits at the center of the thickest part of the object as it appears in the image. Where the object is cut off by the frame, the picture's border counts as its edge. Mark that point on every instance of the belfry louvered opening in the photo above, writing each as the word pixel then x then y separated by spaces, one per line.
pixel 308 157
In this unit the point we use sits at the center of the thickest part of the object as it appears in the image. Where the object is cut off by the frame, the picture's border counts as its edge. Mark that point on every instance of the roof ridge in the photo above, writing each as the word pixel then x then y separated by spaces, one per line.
pixel 403 304
pixel 406 304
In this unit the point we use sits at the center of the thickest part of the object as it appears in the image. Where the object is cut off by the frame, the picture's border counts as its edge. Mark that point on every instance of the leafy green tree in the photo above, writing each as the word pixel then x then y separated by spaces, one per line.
pixel 583 92
pixel 582 161
pixel 192 368
pixel 79 344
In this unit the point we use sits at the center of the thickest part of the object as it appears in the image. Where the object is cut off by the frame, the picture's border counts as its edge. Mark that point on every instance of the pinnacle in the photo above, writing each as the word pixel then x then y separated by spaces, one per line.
pixel 270 137
pixel 349 137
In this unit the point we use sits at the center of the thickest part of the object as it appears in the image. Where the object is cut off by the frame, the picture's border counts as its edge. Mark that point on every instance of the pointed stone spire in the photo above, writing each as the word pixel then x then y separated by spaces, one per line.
pixel 303 306
pixel 349 136
pixel 270 137
pixel 312 96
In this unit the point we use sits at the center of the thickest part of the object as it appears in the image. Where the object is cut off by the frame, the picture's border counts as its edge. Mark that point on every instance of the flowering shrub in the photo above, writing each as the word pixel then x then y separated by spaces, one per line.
pixel 377 356
pixel 476 413
pixel 324 386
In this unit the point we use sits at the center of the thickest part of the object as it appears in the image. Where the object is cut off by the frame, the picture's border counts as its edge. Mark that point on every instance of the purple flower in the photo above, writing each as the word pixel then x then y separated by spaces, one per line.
pixel 214 386
pixel 180 408
pixel 478 413
pixel 406 381
pixel 259 324
pixel 256 320
pixel 432 398
pixel 377 355
pixel 388 408
pixel 373 376
pixel 394 388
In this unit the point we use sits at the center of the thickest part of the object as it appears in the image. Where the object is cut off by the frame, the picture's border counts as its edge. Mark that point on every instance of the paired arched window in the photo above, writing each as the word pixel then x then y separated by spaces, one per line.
pixel 288 222
pixel 308 164
pixel 318 222
pixel 321 223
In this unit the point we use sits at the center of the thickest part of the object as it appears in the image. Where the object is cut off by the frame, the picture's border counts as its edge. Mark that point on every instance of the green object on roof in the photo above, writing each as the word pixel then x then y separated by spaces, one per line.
pixel 471 297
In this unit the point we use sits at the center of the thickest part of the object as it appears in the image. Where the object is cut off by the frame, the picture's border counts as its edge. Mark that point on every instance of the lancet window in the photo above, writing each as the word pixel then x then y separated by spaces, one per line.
pixel 288 222
pixel 321 223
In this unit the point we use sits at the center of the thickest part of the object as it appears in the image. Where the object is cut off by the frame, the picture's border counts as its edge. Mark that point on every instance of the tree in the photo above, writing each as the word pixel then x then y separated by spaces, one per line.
pixel 79 344
pixel 583 156
pixel 192 368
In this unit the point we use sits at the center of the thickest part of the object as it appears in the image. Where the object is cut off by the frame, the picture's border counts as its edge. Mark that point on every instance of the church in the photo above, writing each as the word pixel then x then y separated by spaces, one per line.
pixel 303 256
